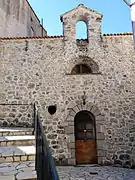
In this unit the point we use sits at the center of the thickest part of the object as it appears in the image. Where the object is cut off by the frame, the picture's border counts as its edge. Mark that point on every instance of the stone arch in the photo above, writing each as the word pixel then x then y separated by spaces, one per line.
pixel 82 17
pixel 81 30
pixel 87 61
pixel 81 69
pixel 100 132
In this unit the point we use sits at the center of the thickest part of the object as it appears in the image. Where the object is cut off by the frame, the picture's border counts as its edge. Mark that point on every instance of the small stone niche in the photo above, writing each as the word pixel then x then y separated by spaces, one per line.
pixel 52 109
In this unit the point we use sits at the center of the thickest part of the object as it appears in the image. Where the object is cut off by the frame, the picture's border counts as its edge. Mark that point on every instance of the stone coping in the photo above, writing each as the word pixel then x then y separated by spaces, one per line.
pixel 17 129
pixel 17 150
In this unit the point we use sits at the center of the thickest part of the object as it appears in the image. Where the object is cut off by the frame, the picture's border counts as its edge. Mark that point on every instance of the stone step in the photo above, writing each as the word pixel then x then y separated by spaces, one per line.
pixel 17 140
pixel 15 131
pixel 17 153
pixel 18 171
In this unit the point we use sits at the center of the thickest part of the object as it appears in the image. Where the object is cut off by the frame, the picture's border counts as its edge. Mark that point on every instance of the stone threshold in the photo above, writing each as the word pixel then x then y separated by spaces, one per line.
pixel 12 138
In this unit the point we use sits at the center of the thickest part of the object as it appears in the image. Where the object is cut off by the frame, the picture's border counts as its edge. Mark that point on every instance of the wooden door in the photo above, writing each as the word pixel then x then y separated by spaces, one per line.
pixel 85 140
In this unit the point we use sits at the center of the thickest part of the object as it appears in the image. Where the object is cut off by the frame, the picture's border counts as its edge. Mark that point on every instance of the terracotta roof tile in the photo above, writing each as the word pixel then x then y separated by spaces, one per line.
pixel 39 37
pixel 49 37
pixel 119 34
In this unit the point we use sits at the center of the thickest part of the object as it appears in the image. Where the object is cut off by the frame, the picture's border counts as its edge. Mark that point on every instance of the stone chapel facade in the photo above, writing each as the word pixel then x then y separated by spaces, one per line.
pixel 84 90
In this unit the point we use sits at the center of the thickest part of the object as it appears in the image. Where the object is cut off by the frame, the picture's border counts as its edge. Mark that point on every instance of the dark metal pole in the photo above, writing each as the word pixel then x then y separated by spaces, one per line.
pixel 42 23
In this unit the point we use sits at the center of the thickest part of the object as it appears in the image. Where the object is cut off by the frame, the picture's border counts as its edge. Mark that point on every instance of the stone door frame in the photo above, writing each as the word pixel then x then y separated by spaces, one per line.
pixel 100 131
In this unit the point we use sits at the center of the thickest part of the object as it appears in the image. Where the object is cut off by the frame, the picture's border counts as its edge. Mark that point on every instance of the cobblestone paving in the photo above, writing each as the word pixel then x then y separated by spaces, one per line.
pixel 25 171
pixel 95 173
pixel 17 171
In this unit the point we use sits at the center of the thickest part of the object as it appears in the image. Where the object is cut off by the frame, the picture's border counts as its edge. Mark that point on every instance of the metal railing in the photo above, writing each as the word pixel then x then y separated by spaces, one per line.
pixel 44 163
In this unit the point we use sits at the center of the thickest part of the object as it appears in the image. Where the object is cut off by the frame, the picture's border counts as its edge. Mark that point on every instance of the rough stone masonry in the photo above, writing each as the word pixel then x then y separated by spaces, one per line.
pixel 40 70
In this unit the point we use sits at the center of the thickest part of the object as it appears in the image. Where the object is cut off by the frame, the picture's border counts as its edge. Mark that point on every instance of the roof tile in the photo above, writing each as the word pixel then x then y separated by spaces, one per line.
pixel 119 34
pixel 38 37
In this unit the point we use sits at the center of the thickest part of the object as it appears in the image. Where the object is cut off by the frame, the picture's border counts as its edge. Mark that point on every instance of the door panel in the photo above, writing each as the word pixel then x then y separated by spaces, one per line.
pixel 85 138
pixel 85 152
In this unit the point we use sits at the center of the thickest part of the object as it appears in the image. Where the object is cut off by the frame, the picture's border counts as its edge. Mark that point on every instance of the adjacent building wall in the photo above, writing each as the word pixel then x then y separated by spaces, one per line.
pixel 17 19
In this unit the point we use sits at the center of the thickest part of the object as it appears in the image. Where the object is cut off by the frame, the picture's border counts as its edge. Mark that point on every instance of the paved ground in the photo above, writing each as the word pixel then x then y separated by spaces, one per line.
pixel 17 171
pixel 25 170
pixel 96 173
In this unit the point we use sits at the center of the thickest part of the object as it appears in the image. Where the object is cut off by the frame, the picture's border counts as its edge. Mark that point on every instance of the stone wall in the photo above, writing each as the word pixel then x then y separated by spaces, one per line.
pixel 18 115
pixel 41 73
pixel 17 19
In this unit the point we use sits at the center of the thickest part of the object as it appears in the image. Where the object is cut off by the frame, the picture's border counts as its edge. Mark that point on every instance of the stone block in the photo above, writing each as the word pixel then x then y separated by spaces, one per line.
pixel 70 119
pixel 124 157
pixel 16 158
pixel 101 153
pixel 2 159
pixel 76 109
pixel 71 145
pixel 9 159
pixel 100 118
pixel 89 106
pixel 72 113
pixel 72 151
pixel 118 162
pixel 26 174
pixel 69 130
pixel 97 112
pixel 72 161
pixel 93 109
pixel 83 107
pixel 100 136
pixel 99 128
pixel 9 143
pixel 71 123
pixel 100 144
pixel 72 138
pixel 9 177
pixel 80 107
pixel 5 133
pixel 24 158
pixel 4 143
pixel 108 163
pixel 31 158
pixel 100 160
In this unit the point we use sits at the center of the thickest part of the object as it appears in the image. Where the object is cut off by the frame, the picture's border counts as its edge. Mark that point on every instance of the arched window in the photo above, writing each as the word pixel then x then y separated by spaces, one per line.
pixel 81 69
pixel 81 30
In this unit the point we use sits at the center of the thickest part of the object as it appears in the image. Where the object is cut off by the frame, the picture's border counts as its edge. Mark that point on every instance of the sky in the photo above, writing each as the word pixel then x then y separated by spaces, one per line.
pixel 116 14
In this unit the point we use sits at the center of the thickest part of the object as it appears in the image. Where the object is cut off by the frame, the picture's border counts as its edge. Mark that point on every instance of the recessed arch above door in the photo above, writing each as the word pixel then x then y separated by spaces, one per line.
pixel 99 121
